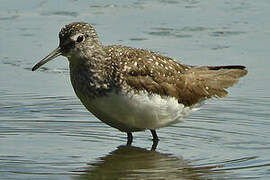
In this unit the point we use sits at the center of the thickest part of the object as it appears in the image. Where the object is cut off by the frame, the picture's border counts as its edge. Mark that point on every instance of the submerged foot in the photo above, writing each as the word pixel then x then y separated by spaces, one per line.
pixel 155 139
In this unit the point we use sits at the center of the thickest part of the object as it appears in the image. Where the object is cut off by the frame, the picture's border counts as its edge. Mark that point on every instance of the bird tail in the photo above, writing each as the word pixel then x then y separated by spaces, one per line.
pixel 219 78
pixel 202 82
pixel 227 76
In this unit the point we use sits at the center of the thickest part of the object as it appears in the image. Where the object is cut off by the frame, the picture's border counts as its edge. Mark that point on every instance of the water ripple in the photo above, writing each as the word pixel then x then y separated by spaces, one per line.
pixel 60 13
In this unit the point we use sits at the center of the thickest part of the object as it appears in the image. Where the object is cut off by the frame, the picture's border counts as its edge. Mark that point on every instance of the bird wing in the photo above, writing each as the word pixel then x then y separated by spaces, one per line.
pixel 157 74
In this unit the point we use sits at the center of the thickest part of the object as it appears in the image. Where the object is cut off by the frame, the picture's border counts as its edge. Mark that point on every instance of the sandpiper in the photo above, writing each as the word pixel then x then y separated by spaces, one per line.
pixel 135 89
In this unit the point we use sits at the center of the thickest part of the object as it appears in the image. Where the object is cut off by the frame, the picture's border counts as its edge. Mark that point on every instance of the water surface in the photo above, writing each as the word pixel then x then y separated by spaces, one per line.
pixel 45 132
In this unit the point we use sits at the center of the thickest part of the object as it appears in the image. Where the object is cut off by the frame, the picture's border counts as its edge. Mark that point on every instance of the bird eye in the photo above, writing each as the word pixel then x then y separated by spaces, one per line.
pixel 80 38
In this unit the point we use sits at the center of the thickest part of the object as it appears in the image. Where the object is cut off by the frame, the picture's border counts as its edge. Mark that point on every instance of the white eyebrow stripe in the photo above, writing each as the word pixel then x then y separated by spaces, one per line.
pixel 74 37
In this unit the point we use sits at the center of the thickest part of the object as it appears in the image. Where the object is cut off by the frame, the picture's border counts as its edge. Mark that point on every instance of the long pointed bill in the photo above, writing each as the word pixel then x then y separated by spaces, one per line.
pixel 52 55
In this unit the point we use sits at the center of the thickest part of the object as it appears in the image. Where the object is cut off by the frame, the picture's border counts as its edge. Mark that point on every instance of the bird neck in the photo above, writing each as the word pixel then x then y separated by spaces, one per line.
pixel 93 68
pixel 90 76
pixel 89 57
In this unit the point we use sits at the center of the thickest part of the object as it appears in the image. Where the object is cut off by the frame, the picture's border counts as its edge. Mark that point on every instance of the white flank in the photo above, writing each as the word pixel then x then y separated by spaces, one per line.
pixel 135 112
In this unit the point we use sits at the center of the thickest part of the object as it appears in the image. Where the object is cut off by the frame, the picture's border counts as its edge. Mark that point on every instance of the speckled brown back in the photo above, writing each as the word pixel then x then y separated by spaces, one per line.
pixel 139 69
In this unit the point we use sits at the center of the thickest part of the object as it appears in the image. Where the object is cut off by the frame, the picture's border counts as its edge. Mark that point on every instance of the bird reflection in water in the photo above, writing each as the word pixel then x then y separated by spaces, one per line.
pixel 129 162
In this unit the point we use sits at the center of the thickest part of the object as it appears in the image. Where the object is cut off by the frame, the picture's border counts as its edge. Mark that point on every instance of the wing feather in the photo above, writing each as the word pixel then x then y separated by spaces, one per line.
pixel 157 74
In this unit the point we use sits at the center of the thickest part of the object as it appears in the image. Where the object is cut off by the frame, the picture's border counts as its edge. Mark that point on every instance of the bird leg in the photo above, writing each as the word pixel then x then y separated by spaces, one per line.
pixel 129 138
pixel 155 139
pixel 154 134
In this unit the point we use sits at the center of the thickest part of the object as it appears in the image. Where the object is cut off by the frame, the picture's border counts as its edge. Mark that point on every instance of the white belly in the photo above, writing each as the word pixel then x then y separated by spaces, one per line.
pixel 136 112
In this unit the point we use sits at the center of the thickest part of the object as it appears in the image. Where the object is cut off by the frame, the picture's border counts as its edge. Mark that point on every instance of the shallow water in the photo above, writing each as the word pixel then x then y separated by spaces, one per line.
pixel 45 132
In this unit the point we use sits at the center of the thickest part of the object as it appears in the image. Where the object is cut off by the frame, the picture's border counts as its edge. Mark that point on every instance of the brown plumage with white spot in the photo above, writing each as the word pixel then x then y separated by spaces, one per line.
pixel 134 89
pixel 145 70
